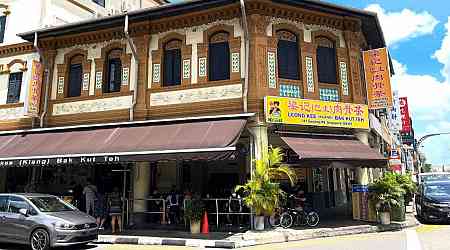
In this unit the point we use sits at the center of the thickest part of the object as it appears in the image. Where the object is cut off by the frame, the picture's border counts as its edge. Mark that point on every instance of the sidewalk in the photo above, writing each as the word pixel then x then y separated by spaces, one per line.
pixel 252 238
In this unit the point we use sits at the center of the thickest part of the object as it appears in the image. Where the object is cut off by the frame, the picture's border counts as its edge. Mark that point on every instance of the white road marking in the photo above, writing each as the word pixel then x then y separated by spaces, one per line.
pixel 412 240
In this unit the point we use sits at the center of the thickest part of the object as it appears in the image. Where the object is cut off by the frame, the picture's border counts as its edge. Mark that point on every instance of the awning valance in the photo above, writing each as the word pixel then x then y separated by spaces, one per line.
pixel 345 149
pixel 208 140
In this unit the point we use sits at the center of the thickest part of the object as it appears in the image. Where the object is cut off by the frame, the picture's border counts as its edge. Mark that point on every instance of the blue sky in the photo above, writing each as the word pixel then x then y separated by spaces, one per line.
pixel 419 43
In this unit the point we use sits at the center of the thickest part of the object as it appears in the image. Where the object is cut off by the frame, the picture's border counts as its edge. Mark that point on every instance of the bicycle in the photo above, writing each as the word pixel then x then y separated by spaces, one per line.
pixel 299 218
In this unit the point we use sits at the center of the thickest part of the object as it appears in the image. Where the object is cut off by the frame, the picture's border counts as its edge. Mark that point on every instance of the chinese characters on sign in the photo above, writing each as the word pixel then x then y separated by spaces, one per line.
pixel 34 90
pixel 316 113
pixel 404 112
pixel 395 120
pixel 378 81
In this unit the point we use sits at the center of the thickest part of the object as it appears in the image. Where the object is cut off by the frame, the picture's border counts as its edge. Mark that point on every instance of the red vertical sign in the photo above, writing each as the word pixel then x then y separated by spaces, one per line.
pixel 404 111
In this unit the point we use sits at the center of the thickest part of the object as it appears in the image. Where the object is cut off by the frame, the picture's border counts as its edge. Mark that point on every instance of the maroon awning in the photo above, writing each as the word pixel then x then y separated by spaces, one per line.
pixel 331 149
pixel 187 140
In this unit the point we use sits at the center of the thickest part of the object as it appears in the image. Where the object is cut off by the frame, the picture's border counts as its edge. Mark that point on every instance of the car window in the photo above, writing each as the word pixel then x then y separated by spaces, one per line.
pixel 15 204
pixel 49 204
pixel 3 203
pixel 437 190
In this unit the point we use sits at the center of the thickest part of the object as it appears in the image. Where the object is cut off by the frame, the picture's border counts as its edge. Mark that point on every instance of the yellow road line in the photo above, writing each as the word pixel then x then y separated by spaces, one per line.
pixel 429 228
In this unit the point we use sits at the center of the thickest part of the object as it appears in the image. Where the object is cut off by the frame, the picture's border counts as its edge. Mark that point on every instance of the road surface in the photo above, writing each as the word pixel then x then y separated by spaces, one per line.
pixel 424 237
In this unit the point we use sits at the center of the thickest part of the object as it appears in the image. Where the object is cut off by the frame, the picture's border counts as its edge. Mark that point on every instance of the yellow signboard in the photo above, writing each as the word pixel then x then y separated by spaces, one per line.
pixel 378 78
pixel 316 113
pixel 34 90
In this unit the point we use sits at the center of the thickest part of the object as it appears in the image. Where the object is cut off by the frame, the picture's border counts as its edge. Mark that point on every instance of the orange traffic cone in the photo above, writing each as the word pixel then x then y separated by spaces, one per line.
pixel 205 225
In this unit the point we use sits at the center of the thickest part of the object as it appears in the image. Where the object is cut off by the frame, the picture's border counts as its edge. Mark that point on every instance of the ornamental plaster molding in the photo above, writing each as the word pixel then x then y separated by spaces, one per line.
pixel 96 105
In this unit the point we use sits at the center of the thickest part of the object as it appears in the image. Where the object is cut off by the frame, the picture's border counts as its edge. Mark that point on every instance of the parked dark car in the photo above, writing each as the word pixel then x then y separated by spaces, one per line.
pixel 433 201
pixel 43 221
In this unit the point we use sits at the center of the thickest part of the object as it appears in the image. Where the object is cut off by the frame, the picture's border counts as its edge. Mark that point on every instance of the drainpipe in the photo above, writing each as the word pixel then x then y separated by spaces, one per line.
pixel 47 79
pixel 136 63
pixel 247 55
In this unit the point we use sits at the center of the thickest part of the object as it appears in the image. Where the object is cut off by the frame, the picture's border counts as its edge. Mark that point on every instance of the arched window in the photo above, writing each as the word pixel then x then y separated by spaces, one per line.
pixel 219 56
pixel 114 73
pixel 326 60
pixel 75 76
pixel 288 55
pixel 14 86
pixel 172 63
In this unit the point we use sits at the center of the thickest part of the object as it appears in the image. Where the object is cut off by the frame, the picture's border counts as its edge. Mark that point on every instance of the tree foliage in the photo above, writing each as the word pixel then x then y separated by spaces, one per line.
pixel 261 192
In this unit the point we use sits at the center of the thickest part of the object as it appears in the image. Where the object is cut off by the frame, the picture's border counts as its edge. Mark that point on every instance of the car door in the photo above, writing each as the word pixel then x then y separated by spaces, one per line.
pixel 18 225
pixel 418 199
pixel 3 210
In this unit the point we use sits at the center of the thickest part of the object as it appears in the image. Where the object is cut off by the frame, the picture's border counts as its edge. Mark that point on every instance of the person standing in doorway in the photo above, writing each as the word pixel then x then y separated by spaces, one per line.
pixel 115 210
pixel 173 201
pixel 101 209
pixel 90 193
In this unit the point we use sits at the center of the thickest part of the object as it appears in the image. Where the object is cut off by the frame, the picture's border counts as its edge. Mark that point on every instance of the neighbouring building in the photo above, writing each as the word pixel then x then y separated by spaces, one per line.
pixel 190 94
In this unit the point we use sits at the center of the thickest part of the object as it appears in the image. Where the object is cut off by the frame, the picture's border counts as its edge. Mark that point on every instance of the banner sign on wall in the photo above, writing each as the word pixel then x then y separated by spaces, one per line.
pixel 315 113
pixel 378 79
pixel 34 90
pixel 404 112
pixel 395 118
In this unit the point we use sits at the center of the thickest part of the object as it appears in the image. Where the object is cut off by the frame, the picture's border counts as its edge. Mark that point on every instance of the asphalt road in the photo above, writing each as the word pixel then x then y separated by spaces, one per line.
pixel 424 237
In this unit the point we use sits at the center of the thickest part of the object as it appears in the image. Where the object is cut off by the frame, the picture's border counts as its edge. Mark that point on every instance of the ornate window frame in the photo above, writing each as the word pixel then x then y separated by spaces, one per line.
pixel 157 60
pixel 273 47
pixel 101 68
pixel 63 74
pixel 335 40
pixel 235 48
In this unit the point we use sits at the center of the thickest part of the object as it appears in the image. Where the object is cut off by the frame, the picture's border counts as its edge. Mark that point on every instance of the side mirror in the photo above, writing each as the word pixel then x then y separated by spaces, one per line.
pixel 23 212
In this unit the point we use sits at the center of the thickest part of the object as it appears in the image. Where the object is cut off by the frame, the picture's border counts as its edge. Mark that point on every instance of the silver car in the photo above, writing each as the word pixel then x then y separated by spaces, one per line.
pixel 43 221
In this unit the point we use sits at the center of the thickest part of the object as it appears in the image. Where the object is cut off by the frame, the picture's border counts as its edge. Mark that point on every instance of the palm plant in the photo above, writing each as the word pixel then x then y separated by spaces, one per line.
pixel 262 193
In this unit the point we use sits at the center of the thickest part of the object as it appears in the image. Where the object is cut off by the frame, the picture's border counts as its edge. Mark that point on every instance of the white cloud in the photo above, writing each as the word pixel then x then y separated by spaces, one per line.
pixel 428 98
pixel 403 25
pixel 429 102
pixel 443 54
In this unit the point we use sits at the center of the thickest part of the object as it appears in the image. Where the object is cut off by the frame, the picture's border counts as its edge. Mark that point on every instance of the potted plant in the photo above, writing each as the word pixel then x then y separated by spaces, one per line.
pixel 407 184
pixel 193 212
pixel 386 192
pixel 262 193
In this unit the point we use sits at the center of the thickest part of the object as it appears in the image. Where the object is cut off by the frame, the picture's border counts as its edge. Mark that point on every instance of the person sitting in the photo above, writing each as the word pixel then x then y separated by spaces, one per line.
pixel 300 200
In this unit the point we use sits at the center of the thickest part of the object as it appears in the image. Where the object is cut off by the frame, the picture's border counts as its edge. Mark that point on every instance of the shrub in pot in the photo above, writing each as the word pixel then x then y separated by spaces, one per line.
pixel 193 213
pixel 262 193
pixel 386 192
pixel 407 184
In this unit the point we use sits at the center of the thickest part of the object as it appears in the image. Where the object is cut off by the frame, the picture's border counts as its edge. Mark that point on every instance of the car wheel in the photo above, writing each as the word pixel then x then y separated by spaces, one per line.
pixel 40 240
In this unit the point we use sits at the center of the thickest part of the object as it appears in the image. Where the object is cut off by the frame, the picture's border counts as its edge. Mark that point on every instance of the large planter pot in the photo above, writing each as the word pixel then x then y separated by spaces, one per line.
pixel 259 223
pixel 195 227
pixel 385 218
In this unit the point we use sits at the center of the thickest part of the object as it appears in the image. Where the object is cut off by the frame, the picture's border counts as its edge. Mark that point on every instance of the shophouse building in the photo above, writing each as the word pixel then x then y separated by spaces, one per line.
pixel 190 94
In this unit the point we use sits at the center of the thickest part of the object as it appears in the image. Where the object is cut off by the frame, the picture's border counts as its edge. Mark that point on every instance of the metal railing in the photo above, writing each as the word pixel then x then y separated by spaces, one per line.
pixel 162 208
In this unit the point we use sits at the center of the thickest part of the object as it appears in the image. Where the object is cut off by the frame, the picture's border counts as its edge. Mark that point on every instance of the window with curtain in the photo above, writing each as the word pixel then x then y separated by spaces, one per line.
pixel 14 86
pixel 114 72
pixel 172 63
pixel 219 56
pixel 288 55
pixel 326 60
pixel 75 76
pixel 2 28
